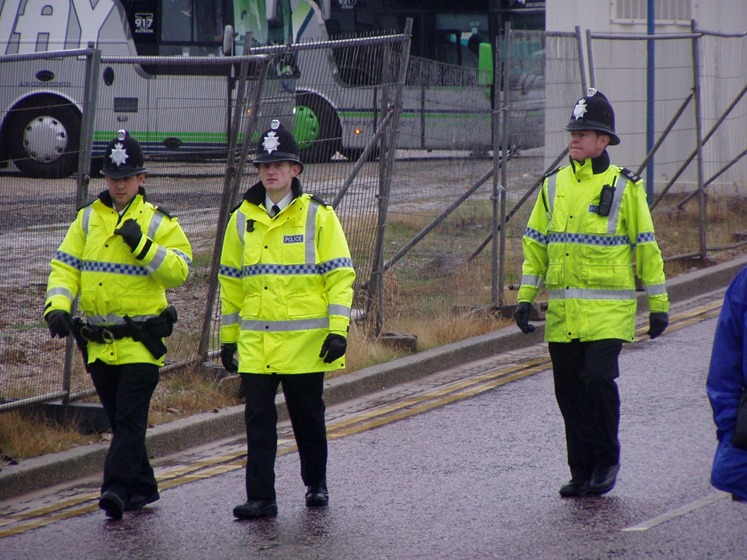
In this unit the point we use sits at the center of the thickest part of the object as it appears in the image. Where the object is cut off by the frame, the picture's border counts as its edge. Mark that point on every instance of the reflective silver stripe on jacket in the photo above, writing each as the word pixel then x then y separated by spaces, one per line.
pixel 614 215
pixel 153 265
pixel 285 326
pixel 86 218
pixel 656 290
pixel 531 280
pixel 229 318
pixel 310 237
pixel 551 193
pixel 581 293
pixel 334 309
pixel 60 292
pixel 241 225
pixel 155 221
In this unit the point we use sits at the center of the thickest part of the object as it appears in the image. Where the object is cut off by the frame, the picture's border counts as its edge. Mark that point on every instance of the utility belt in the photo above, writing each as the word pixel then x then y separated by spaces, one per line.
pixel 148 332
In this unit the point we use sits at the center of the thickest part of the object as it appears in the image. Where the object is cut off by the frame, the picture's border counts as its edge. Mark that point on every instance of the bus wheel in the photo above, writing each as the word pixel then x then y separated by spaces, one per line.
pixel 46 141
pixel 317 129
pixel 353 154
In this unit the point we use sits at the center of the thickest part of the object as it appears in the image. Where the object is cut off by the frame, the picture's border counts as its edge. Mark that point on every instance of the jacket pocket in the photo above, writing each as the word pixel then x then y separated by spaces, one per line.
pixel 607 275
pixel 250 307
pixel 307 305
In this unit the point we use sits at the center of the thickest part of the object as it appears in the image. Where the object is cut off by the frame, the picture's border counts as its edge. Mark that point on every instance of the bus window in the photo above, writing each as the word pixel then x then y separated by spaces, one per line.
pixel 457 37
pixel 250 16
pixel 190 27
pixel 176 25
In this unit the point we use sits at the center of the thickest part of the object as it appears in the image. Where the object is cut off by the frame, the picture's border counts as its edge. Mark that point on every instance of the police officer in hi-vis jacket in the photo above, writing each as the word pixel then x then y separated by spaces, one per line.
pixel 286 282
pixel 590 222
pixel 119 256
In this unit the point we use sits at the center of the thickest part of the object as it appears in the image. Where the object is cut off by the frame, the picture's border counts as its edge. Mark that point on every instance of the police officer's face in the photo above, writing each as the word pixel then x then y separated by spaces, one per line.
pixel 124 190
pixel 587 144
pixel 277 177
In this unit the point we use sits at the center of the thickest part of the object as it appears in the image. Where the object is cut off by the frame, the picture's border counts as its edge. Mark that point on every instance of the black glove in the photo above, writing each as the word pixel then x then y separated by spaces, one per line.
pixel 657 322
pixel 226 357
pixel 59 323
pixel 130 232
pixel 521 316
pixel 334 348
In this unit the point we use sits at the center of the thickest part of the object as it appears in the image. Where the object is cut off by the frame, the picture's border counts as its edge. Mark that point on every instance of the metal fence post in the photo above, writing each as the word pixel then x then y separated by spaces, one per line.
pixel 499 243
pixel 85 145
pixel 386 166
pixel 699 140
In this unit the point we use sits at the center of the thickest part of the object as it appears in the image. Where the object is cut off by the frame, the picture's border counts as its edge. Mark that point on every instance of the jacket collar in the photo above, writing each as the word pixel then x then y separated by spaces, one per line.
pixel 257 192
pixel 106 198
pixel 599 164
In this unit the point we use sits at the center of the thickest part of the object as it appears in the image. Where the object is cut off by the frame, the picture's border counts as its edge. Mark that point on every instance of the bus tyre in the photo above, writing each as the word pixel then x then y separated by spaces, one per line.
pixel 46 141
pixel 353 154
pixel 317 129
pixel 97 164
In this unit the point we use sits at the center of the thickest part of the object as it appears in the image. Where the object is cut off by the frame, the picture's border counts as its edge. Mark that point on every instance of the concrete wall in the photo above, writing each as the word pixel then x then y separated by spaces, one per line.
pixel 620 72
pixel 724 16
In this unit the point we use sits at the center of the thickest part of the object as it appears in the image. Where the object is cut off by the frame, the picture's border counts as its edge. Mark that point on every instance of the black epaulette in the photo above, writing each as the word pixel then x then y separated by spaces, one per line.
pixel 317 199
pixel 84 206
pixel 627 173
pixel 553 172
pixel 164 212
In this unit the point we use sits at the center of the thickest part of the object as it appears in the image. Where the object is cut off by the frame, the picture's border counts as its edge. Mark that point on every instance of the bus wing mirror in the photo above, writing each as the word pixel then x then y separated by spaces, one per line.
pixel 326 9
pixel 485 68
pixel 271 9
pixel 228 40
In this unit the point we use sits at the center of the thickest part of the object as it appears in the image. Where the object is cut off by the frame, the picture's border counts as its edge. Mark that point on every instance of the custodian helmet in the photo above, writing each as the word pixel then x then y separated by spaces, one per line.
pixel 123 158
pixel 277 144
pixel 594 112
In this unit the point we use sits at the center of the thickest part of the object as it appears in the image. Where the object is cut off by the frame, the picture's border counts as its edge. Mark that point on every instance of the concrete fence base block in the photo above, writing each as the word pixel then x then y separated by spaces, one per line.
pixel 400 341
pixel 90 418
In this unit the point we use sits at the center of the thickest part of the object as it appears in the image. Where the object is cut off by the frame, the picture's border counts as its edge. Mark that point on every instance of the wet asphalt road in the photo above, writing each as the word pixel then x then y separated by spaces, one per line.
pixel 474 478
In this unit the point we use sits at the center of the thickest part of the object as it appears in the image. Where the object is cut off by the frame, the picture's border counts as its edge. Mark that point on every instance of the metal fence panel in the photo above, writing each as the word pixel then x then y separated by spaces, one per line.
pixel 188 177
pixel 34 213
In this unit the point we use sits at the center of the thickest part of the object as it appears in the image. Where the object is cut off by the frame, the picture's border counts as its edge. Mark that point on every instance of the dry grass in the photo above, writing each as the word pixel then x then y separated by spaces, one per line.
pixel 28 434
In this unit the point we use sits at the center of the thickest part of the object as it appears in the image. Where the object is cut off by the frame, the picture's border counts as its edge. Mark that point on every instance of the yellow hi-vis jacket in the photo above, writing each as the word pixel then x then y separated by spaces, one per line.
pixel 585 260
pixel 113 280
pixel 286 283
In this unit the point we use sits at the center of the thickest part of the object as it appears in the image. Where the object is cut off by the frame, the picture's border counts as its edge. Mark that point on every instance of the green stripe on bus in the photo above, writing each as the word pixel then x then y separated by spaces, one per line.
pixel 208 137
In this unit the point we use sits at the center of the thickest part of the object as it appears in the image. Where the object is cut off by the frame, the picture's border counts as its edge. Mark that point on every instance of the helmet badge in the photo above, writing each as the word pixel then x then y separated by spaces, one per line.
pixel 580 109
pixel 119 154
pixel 270 142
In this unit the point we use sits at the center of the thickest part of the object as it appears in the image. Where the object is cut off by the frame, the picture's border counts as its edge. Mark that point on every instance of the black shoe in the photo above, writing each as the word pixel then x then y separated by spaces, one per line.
pixel 255 508
pixel 138 501
pixel 603 480
pixel 317 496
pixel 575 489
pixel 112 505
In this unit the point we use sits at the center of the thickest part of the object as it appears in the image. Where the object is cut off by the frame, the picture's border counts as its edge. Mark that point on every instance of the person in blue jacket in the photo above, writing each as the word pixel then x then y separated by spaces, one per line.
pixel 727 378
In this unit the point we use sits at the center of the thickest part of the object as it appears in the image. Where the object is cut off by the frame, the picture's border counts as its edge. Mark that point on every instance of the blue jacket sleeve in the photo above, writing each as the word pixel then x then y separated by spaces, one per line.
pixel 728 369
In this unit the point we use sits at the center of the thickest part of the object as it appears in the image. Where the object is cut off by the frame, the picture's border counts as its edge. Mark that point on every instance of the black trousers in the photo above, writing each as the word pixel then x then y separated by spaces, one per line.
pixel 125 392
pixel 303 397
pixel 584 374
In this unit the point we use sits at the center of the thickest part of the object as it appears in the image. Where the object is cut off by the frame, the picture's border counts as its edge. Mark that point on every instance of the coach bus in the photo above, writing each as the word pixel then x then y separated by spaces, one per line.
pixel 41 109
